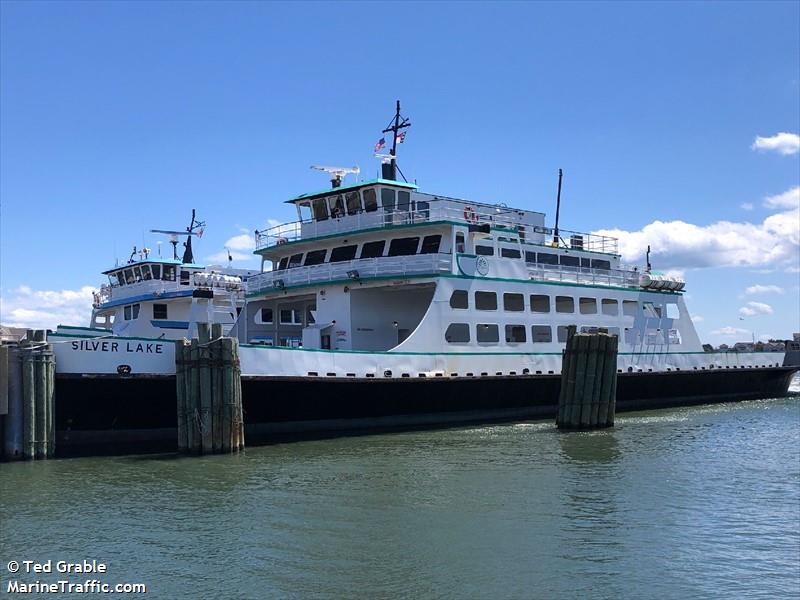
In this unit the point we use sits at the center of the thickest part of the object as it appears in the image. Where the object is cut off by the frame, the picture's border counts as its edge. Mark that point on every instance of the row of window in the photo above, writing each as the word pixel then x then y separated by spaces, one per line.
pixel 287 316
pixel 139 273
pixel 397 247
pixel 546 258
pixel 366 200
pixel 130 312
pixel 542 303
pixel 489 333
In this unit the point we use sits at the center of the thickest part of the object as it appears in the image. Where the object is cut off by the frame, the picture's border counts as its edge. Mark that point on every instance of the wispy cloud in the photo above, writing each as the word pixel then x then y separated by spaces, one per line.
pixel 729 331
pixel 782 143
pixel 747 206
pixel 752 309
pixel 46 309
pixel 763 289
pixel 788 199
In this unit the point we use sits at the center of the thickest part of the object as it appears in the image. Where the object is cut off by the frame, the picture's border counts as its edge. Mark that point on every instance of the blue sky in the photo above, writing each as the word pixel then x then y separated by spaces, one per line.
pixel 120 117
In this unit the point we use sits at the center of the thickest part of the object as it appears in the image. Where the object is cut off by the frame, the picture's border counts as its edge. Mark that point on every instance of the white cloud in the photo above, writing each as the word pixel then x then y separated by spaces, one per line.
pixel 775 242
pixel 782 143
pixel 240 247
pixel 763 289
pixel 729 331
pixel 755 308
pixel 788 199
pixel 698 318
pixel 747 205
pixel 46 309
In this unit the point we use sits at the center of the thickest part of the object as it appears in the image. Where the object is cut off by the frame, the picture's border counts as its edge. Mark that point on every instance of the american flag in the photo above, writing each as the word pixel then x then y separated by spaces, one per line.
pixel 401 137
pixel 381 143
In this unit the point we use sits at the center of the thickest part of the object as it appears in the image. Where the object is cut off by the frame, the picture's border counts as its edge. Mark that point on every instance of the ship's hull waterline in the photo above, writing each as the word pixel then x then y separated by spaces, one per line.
pixel 107 412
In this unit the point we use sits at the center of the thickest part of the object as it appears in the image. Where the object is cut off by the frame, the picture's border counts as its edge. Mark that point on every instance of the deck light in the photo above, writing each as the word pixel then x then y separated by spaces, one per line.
pixel 353 274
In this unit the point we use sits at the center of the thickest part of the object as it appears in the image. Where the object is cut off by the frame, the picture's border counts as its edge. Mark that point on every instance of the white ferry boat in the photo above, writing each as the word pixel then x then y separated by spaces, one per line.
pixel 386 305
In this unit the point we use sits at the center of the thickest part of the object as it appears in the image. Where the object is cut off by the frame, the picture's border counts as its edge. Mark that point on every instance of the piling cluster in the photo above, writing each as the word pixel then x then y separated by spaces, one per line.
pixel 28 370
pixel 588 381
pixel 209 393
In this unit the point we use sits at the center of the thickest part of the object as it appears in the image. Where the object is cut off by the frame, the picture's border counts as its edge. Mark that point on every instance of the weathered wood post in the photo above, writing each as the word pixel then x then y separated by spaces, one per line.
pixel 217 385
pixel 29 401
pixel 13 426
pixel 193 400
pixel 205 388
pixel 181 366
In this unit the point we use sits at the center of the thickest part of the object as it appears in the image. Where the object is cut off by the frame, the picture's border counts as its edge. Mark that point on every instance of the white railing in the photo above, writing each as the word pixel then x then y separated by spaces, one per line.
pixel 363 268
pixel 584 275
pixel 438 210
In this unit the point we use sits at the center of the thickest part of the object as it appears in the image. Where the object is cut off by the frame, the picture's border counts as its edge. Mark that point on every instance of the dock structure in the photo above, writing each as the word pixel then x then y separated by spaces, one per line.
pixel 27 398
pixel 209 393
pixel 587 399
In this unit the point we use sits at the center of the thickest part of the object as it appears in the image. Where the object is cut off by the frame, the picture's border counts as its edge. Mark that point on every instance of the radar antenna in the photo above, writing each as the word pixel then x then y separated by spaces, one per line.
pixel 195 228
pixel 337 173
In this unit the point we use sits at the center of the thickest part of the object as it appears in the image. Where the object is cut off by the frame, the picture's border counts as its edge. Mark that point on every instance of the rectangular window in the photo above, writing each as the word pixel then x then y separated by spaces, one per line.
pixel 530 257
pixel 353 200
pixel 513 302
pixel 546 258
pixel 459 299
pixel 266 315
pixel 185 276
pixel 135 311
pixel 587 306
pixel 403 246
pixel 169 273
pixel 295 260
pixel 146 273
pixel 343 253
pixel 484 250
pixel 403 200
pixel 460 242
pixel 541 334
pixel 673 312
pixel 610 307
pixel 283 262
pixel 159 311
pixel 320 209
pixel 126 312
pixel 515 334
pixel 485 300
pixel 586 263
pixel 156 271
pixel 129 276
pixel 565 304
pixel 424 209
pixel 457 333
pixel 137 274
pixel 315 257
pixel 488 333
pixel 430 244
pixel 337 206
pixel 540 303
pixel 570 261
pixel 370 200
pixel 510 253
pixel 372 249
pixel 387 199
pixel 629 308
pixel 562 333
pixel 286 316
pixel 601 264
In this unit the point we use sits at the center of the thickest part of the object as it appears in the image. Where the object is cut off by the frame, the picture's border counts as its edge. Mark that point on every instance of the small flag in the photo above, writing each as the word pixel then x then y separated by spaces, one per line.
pixel 381 143
pixel 401 137
pixel 200 232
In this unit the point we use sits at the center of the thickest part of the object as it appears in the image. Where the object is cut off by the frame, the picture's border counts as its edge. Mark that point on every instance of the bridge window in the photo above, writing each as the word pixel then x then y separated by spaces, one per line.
pixel 610 307
pixel 545 258
pixel 116 279
pixel 343 253
pixel 353 200
pixel 169 273
pixel 296 260
pixel 137 273
pixel 510 253
pixel 601 264
pixel 320 209
pixel 459 299
pixel 541 334
pixel 337 206
pixel 488 333
pixel 570 261
pixel 586 262
pixel 185 276
pixel 430 244
pixel 130 312
pixel 513 302
pixel 565 304
pixel 403 200
pixel 403 246
pixel 588 306
pixel 315 257
pixel 372 249
pixel 129 276
pixel 370 200
pixel 629 308
pixel 515 334
pixel 485 300
pixel 266 316
pixel 540 303
pixel 457 333
pixel 283 262
pixel 387 199
pixel 159 311
pixel 484 250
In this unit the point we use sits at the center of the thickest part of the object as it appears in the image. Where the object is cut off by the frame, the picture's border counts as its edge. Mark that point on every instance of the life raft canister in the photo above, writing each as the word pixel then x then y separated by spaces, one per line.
pixel 470 215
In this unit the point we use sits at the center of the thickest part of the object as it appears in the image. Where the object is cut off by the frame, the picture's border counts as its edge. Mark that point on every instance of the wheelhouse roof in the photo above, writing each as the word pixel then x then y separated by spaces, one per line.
pixel 154 261
pixel 354 186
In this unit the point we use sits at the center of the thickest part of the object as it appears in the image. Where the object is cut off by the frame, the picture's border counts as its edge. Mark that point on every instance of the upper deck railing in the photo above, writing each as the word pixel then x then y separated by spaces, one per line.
pixel 224 284
pixel 624 277
pixel 362 268
pixel 445 210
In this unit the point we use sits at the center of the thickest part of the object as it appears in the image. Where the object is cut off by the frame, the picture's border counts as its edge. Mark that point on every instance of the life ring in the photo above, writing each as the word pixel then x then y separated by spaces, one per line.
pixel 470 215
pixel 282 240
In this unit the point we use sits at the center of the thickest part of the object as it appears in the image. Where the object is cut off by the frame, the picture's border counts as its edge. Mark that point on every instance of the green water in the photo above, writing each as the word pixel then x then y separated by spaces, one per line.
pixel 689 503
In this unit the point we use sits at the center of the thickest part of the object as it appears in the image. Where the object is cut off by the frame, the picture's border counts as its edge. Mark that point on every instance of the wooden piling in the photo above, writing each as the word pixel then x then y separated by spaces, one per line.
pixel 194 395
pixel 29 404
pixel 180 394
pixel 206 432
pixel 13 424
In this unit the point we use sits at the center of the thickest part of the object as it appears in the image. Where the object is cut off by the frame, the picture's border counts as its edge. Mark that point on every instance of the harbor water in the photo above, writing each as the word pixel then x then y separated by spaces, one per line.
pixel 695 502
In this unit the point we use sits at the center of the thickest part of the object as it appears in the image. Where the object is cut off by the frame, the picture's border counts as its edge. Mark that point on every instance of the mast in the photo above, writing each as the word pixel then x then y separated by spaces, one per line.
pixel 389 171
pixel 558 209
